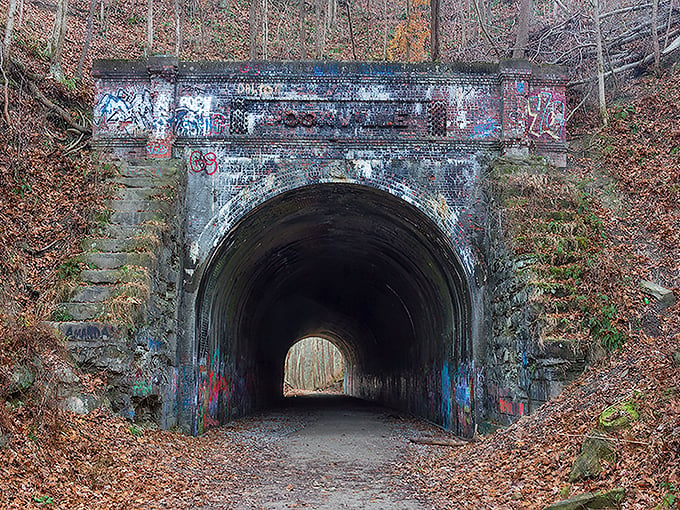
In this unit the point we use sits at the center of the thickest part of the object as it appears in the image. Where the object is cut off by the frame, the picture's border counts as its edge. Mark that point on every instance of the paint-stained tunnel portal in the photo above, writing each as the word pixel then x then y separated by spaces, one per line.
pixel 347 262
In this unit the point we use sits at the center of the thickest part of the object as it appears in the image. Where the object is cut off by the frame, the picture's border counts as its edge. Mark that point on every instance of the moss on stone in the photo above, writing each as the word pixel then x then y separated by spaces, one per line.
pixel 591 500
pixel 619 416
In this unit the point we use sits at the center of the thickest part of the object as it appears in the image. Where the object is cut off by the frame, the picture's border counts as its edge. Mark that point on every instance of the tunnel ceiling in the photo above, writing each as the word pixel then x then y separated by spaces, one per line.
pixel 348 262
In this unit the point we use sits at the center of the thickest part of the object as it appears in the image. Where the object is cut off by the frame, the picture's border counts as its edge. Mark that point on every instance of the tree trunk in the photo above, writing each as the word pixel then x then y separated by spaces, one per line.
pixel 201 17
pixel 103 18
pixel 408 24
pixel 600 64
pixel 265 29
pixel 668 27
pixel 435 29
pixel 525 11
pixel 9 28
pixel 387 29
pixel 320 29
pixel 655 37
pixel 57 40
pixel 351 30
pixel 332 13
pixel 178 27
pixel 149 28
pixel 252 29
pixel 303 32
pixel 88 39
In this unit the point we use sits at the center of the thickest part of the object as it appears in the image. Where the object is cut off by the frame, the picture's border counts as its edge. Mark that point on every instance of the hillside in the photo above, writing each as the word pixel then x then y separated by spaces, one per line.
pixel 50 191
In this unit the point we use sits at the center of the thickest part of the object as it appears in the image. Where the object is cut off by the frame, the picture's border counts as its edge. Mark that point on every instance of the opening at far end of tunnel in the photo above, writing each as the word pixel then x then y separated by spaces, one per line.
pixel 349 263
pixel 313 364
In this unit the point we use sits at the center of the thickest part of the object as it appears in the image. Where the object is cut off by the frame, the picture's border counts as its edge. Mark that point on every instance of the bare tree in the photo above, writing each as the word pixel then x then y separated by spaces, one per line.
pixel 655 36
pixel 265 29
pixel 178 27
pixel 252 29
pixel 351 28
pixel 88 39
pixel 525 11
pixel 149 27
pixel 56 44
pixel 320 29
pixel 332 17
pixel 103 17
pixel 408 23
pixel 435 30
pixel 4 59
pixel 600 64
pixel 9 29
pixel 668 26
pixel 386 30
pixel 303 32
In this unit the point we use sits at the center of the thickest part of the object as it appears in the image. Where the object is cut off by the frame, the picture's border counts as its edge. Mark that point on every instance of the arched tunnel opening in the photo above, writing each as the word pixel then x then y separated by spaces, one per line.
pixel 344 262
pixel 313 364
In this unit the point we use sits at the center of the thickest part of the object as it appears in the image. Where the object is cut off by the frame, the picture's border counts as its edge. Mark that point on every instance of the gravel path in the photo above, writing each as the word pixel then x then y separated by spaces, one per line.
pixel 323 452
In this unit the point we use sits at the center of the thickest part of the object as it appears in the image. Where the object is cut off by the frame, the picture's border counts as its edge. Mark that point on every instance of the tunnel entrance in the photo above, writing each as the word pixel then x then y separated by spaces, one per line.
pixel 346 262
pixel 313 364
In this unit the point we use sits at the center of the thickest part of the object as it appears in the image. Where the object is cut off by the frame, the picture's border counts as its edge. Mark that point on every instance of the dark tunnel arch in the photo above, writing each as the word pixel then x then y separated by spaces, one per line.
pixel 341 261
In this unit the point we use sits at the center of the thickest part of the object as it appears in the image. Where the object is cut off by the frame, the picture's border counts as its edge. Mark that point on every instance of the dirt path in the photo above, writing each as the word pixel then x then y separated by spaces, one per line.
pixel 324 452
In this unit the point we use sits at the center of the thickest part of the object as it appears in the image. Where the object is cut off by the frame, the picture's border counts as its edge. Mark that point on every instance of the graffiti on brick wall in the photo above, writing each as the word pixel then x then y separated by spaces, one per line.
pixel 194 117
pixel 187 384
pixel 486 129
pixel 447 398
pixel 464 388
pixel 546 116
pixel 501 401
pixel 129 110
pixel 203 162
pixel 215 390
pixel 157 148
pixel 162 113
pixel 258 89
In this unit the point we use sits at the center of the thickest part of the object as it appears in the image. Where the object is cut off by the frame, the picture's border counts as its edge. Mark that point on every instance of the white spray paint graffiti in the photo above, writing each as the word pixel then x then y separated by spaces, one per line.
pixel 129 111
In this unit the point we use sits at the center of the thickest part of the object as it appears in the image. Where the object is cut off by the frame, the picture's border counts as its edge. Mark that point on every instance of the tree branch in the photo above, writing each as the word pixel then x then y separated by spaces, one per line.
pixel 66 116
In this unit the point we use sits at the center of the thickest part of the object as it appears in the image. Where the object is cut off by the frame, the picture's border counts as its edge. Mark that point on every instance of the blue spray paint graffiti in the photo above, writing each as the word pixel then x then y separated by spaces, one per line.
pixel 464 380
pixel 486 129
pixel 446 396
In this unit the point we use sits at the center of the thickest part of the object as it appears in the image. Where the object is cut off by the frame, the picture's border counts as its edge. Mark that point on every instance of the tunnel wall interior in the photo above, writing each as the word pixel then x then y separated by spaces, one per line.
pixel 353 264
pixel 397 148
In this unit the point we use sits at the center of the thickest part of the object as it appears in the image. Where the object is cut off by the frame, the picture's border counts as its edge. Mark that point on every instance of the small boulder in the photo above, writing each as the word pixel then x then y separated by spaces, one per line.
pixel 22 379
pixel 591 500
pixel 80 404
pixel 596 449
pixel 662 294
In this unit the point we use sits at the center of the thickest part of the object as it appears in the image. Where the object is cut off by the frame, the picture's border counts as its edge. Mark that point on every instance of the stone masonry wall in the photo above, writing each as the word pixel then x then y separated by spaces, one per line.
pixel 520 372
